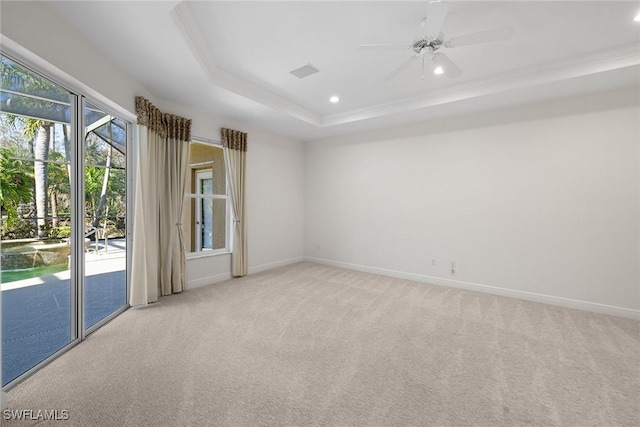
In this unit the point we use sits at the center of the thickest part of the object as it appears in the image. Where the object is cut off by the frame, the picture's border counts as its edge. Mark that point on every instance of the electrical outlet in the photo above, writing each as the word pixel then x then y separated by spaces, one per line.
pixel 453 267
pixel 318 248
pixel 433 261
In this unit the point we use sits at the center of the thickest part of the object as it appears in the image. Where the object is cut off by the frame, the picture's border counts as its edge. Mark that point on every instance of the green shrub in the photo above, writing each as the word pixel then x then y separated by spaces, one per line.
pixel 63 232
pixel 19 228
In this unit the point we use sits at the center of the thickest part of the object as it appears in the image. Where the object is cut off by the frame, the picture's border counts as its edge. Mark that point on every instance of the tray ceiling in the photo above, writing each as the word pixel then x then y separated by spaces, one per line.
pixel 235 58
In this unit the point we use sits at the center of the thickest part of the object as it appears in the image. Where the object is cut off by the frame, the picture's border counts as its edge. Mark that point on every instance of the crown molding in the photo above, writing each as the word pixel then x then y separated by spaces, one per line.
pixel 606 60
pixel 186 22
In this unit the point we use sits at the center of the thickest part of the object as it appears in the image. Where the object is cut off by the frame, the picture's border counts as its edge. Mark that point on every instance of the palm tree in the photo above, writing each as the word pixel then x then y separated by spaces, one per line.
pixel 40 169
pixel 58 183
pixel 15 184
pixel 39 132
pixel 93 178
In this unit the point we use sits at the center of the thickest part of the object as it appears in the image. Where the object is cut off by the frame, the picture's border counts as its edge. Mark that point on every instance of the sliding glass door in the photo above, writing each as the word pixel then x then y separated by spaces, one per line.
pixel 105 215
pixel 63 218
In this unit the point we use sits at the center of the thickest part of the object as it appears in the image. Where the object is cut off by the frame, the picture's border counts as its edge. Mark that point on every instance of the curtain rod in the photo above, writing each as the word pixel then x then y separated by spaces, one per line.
pixel 206 140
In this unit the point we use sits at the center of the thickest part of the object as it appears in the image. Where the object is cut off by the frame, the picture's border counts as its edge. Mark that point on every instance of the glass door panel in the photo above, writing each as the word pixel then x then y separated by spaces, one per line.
pixel 105 197
pixel 205 211
pixel 38 315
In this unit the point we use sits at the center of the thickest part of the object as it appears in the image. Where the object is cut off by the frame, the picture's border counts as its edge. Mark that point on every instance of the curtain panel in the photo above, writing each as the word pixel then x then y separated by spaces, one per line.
pixel 158 245
pixel 234 144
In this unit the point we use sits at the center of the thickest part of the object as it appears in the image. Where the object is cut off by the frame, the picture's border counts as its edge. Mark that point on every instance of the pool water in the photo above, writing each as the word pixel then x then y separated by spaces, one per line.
pixel 45 270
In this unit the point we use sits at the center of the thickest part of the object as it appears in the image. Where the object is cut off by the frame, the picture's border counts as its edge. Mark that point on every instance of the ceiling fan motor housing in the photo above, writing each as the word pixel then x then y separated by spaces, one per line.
pixel 425 45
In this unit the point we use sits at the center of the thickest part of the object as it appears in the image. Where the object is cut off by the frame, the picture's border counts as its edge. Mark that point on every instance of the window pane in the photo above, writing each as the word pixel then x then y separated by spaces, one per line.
pixel 105 215
pixel 205 157
pixel 206 219
pixel 207 224
pixel 111 130
pixel 30 96
pixel 35 211
pixel 219 222
pixel 206 186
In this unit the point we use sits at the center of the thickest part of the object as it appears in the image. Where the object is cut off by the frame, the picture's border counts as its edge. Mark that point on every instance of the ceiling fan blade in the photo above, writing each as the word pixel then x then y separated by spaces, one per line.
pixel 448 66
pixel 383 47
pixel 400 68
pixel 436 14
pixel 494 35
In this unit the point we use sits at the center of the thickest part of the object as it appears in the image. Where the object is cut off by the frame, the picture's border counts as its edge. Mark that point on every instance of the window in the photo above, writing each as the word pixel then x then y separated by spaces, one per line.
pixel 206 213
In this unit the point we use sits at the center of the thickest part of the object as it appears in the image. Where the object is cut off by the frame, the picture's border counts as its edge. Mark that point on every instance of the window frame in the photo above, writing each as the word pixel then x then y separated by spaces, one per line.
pixel 228 212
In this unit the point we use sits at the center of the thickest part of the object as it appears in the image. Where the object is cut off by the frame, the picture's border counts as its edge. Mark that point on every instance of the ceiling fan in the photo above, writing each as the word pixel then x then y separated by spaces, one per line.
pixel 432 40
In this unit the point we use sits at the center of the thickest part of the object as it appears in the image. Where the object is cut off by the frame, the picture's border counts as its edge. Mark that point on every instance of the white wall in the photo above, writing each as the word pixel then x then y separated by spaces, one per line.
pixel 275 190
pixel 543 205
pixel 275 164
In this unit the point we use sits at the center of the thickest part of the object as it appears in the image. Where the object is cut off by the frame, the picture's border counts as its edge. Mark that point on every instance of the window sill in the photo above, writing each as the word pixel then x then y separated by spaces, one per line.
pixel 198 255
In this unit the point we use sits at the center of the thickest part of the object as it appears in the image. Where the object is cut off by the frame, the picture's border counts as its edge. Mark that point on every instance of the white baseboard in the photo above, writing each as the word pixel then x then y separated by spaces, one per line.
pixel 487 289
pixel 209 280
pixel 269 266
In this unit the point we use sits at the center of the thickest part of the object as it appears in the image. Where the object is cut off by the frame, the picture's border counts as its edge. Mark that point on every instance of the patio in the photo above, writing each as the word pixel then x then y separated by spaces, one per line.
pixel 36 313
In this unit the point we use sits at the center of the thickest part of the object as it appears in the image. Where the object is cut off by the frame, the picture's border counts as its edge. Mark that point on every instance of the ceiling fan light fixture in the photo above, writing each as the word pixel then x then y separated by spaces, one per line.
pixel 438 70
pixel 334 99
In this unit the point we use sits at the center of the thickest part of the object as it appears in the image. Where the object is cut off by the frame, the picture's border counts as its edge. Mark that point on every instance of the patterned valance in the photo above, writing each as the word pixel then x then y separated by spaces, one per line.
pixel 165 125
pixel 234 139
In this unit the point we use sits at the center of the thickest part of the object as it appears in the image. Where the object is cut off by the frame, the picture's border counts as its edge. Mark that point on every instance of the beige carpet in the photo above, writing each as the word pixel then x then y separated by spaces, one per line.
pixel 309 344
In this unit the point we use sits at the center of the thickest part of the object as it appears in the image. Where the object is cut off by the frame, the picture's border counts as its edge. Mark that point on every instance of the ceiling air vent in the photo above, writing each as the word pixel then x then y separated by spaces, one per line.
pixel 305 71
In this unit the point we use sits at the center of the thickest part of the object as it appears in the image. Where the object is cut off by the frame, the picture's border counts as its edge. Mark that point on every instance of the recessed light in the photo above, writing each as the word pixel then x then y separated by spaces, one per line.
pixel 637 18
pixel 438 70
pixel 334 99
